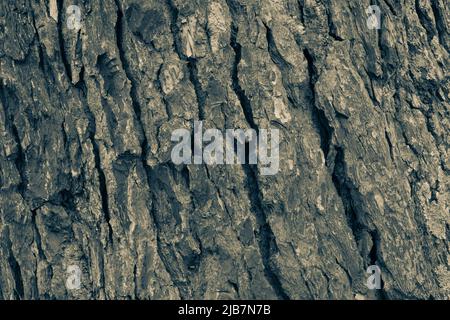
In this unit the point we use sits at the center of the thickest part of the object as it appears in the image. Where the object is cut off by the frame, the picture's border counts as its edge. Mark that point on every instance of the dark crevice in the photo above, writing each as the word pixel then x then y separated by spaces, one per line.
pixel 284 67
pixel 109 71
pixel 267 241
pixel 434 192
pixel 301 9
pixel 81 84
pixel 332 30
pixel 41 256
pixel 240 93
pixel 42 61
pixel 425 21
pixel 175 30
pixel 199 93
pixel 325 132
pixel 234 8
pixel 103 187
pixel 391 7
pixel 347 272
pixel 19 161
pixel 357 223
pixel 133 91
pixel 377 259
pixel 166 254
pixel 235 288
pixel 135 281
pixel 60 5
pixel 144 144
pixel 374 253
pixel 431 127
pixel 16 272
pixel 391 149
pixel 19 157
pixel 414 150
pixel 323 126
pixel 275 55
pixel 37 236
pixel 440 25
pixel 344 190
pixel 101 175
pixel 191 61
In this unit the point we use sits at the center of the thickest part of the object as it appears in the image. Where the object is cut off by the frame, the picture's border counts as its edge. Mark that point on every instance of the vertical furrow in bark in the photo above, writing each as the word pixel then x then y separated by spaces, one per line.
pixel 267 241
pixel 15 269
pixel 144 144
pixel 191 61
pixel 101 175
pixel 61 39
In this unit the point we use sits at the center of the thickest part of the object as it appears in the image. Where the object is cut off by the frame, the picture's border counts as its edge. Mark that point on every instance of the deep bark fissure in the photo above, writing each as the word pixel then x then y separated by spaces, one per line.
pixel 343 186
pixel 98 167
pixel 357 224
pixel 267 241
pixel 344 191
pixel 266 237
pixel 199 93
pixel 332 30
pixel 301 10
pixel 325 130
pixel 62 49
pixel 425 21
pixel 191 61
pixel 144 143
pixel 440 25
pixel 19 156
pixel 179 285
pixel 391 7
pixel 240 93
pixel 37 235
pixel 15 269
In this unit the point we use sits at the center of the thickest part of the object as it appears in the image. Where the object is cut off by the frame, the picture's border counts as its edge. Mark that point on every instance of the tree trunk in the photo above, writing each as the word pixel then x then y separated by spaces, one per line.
pixel 86 176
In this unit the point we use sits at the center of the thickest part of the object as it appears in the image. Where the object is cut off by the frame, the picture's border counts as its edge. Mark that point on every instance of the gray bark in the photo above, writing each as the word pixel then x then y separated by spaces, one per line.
pixel 86 176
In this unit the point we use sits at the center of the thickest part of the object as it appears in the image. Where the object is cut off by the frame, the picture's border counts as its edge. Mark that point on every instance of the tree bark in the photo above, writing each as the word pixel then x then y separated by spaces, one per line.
pixel 86 177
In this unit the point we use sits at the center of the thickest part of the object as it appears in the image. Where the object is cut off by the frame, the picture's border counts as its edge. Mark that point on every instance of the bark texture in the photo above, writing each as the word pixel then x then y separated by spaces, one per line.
pixel 86 176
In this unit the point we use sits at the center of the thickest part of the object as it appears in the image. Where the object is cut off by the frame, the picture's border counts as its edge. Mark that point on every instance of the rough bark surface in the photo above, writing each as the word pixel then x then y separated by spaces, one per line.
pixel 86 176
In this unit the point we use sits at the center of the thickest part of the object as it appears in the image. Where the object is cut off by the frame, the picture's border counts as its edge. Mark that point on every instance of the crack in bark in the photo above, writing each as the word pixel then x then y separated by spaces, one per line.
pixel 15 270
pixel 325 130
pixel 19 156
pixel 425 21
pixel 240 93
pixel 37 235
pixel 284 67
pixel 101 175
pixel 391 7
pixel 347 192
pixel 199 93
pixel 191 61
pixel 60 5
pixel 332 30
pixel 340 179
pixel 144 143
pixel 266 241
pixel 301 9
pixel 440 25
